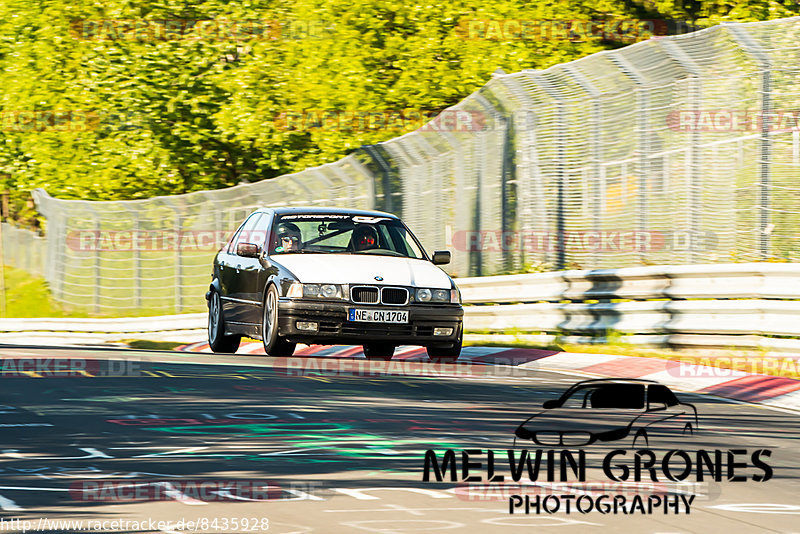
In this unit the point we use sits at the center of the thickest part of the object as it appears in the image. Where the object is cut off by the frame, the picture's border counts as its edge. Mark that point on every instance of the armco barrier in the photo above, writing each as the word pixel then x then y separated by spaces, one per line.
pixel 714 281
pixel 706 305
pixel 125 325
pixel 73 331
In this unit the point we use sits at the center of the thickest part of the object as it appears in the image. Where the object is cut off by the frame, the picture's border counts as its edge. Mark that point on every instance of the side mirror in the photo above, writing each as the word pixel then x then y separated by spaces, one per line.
pixel 656 406
pixel 248 250
pixel 441 257
pixel 549 405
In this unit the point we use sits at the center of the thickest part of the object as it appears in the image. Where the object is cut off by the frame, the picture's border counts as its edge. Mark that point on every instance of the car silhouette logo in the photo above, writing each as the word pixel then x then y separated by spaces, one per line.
pixel 379 278
pixel 605 410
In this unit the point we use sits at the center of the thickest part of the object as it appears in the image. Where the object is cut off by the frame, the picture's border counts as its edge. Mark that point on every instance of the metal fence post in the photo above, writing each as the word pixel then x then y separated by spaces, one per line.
pixel 528 173
pixel 460 262
pixel 644 143
pixel 508 174
pixel 596 151
pixel 386 185
pixel 428 155
pixel 484 191
pixel 137 259
pixel 764 61
pixel 561 122
pixel 178 260
pixel 54 266
pixel 178 272
pixel 96 287
pixel 502 116
pixel 362 170
pixel 695 177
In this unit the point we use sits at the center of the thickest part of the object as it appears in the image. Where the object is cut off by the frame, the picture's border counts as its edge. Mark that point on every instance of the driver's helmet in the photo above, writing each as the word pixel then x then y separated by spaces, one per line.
pixel 289 236
pixel 365 237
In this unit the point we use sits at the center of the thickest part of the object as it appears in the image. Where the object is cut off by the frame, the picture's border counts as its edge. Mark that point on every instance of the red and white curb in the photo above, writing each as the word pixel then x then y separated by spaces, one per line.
pixel 782 392
pixel 412 353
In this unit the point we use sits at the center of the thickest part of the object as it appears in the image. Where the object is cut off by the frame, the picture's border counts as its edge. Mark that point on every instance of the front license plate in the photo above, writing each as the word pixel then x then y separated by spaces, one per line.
pixel 378 316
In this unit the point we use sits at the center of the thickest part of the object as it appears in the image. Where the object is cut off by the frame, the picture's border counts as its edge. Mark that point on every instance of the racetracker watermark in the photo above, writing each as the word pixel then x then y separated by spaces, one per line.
pixel 582 240
pixel 70 121
pixel 199 524
pixel 734 366
pixel 199 29
pixel 57 121
pixel 733 120
pixel 68 368
pixel 130 240
pixel 372 368
pixel 194 491
pixel 449 120
pixel 623 30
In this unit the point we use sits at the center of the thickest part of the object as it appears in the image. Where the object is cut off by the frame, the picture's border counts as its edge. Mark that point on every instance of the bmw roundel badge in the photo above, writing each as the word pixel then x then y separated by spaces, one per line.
pixel 379 278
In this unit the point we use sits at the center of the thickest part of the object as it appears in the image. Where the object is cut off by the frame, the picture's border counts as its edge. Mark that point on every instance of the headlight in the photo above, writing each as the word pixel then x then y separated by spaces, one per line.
pixel 441 295
pixel 295 290
pixel 433 295
pixel 329 291
pixel 317 291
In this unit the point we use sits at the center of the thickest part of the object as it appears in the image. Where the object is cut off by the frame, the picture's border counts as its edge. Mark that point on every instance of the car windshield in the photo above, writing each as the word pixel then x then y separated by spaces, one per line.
pixel 620 396
pixel 343 234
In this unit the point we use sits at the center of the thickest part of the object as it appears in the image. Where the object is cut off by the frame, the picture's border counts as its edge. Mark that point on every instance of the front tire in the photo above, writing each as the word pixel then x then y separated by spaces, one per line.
pixel 217 339
pixel 379 351
pixel 274 345
pixel 447 354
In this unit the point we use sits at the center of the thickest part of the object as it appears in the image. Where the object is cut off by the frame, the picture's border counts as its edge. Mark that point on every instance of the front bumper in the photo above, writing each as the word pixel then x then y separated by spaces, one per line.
pixel 334 328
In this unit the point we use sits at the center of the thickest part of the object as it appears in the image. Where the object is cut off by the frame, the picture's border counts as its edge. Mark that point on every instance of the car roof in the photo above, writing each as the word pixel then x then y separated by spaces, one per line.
pixel 326 211
pixel 608 381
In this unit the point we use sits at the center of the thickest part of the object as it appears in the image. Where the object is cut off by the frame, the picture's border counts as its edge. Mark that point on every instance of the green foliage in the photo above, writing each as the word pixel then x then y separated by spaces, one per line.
pixel 28 296
pixel 181 115
pixel 146 344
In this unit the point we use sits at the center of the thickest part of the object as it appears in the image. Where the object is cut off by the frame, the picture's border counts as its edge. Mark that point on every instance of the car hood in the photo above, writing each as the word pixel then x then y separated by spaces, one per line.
pixel 594 420
pixel 362 269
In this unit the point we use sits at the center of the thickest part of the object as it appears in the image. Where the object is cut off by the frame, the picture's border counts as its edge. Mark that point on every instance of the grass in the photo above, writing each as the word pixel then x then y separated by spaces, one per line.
pixel 145 344
pixel 29 296
pixel 118 288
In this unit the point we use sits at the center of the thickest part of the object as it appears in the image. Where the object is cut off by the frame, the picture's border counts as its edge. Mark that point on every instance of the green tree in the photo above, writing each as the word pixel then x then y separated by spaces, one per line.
pixel 154 116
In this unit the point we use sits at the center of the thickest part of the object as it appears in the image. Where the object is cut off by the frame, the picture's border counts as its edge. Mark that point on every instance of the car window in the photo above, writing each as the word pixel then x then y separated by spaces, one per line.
pixel 229 248
pixel 577 399
pixel 247 233
pixel 621 396
pixel 259 233
pixel 400 237
pixel 343 234
pixel 661 394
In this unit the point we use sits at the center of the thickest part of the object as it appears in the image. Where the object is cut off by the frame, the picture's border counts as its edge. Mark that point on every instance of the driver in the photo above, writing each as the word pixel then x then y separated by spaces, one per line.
pixel 365 237
pixel 289 237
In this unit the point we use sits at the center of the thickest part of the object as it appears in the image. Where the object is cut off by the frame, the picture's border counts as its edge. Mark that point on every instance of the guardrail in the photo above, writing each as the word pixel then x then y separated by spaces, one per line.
pixel 697 305
pixel 80 331
pixel 123 325
pixel 705 305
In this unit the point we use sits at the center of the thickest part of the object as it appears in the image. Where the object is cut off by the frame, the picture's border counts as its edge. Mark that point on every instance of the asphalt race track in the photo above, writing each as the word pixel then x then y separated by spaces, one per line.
pixel 254 444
